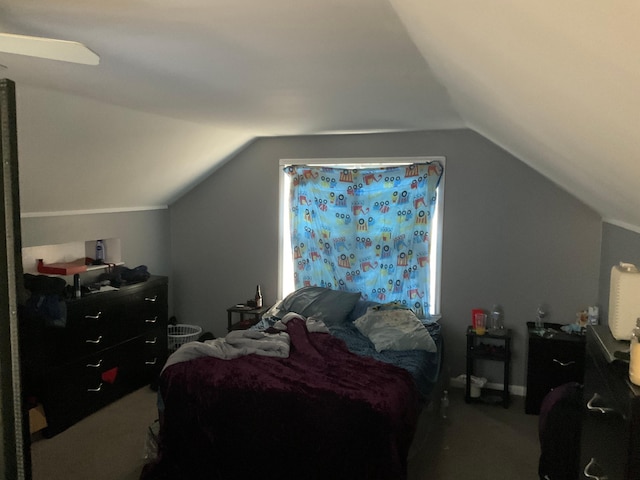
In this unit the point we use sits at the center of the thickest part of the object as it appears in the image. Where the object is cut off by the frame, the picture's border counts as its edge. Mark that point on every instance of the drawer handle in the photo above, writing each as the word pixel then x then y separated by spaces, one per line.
pixel 97 389
pixel 95 365
pixel 592 408
pixel 93 317
pixel 151 362
pixel 564 364
pixel 151 320
pixel 151 299
pixel 152 342
pixel 591 463
pixel 96 341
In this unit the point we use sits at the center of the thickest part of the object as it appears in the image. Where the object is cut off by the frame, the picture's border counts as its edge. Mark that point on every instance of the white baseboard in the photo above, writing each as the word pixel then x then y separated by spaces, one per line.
pixel 519 390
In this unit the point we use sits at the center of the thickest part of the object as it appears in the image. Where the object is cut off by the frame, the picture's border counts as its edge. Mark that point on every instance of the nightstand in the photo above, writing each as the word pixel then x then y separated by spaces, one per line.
pixel 553 359
pixel 249 316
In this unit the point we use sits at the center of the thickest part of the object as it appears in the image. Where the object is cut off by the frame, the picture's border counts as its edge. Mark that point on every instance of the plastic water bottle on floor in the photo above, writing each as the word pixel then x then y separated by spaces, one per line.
pixel 444 405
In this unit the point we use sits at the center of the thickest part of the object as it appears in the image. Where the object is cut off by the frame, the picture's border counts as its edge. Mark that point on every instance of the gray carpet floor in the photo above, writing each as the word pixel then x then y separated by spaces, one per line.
pixel 108 445
pixel 478 442
pixel 481 442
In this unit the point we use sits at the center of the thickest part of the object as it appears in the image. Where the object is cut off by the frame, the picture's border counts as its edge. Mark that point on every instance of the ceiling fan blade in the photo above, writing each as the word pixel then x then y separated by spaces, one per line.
pixel 62 50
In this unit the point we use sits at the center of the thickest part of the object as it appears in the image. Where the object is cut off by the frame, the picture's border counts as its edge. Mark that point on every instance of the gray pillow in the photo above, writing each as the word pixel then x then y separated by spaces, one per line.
pixel 330 306
pixel 361 308
pixel 395 329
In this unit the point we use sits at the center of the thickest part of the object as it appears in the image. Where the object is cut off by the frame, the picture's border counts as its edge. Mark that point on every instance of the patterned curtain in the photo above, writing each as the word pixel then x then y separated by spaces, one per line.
pixel 365 230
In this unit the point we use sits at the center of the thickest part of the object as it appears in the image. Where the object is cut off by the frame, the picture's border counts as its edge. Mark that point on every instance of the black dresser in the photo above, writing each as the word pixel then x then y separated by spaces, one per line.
pixel 553 359
pixel 610 442
pixel 113 343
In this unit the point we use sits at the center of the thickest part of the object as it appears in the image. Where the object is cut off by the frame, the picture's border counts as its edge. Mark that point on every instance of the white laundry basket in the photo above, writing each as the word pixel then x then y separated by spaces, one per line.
pixel 182 333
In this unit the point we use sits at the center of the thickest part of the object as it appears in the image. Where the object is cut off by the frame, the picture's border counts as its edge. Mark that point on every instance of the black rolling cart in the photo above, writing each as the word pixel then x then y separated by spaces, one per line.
pixel 497 349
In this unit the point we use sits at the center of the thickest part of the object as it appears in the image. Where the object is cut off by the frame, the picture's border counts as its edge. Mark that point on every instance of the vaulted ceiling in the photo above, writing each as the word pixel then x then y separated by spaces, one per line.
pixel 555 83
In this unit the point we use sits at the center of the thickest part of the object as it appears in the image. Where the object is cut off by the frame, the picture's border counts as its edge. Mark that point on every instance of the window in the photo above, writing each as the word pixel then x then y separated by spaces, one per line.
pixel 368 225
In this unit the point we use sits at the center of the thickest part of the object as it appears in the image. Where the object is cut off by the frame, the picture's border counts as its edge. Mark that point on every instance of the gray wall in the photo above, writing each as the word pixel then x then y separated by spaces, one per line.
pixel 144 235
pixel 618 245
pixel 510 235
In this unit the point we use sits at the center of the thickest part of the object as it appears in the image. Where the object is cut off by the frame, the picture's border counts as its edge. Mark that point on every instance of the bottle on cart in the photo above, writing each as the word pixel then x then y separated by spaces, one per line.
pixel 258 297
pixel 634 355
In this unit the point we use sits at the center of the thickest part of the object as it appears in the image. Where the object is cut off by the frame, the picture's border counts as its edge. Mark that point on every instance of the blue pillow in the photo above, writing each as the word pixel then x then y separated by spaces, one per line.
pixel 331 306
pixel 360 309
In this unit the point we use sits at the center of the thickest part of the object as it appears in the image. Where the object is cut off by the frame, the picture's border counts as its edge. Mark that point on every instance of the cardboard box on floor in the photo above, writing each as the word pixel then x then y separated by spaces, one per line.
pixel 37 419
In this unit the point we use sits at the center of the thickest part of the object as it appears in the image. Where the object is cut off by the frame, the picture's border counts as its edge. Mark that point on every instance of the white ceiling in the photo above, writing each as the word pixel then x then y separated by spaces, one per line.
pixel 555 83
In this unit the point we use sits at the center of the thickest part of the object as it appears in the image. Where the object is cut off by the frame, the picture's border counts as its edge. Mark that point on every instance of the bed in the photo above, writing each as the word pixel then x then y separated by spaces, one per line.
pixel 337 403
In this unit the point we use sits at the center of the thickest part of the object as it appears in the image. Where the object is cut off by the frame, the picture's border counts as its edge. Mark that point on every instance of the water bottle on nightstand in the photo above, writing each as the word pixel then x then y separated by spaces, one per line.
pixel 258 297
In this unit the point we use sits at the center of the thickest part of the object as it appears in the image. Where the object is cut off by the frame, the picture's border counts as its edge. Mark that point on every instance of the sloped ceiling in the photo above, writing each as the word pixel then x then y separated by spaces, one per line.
pixel 554 83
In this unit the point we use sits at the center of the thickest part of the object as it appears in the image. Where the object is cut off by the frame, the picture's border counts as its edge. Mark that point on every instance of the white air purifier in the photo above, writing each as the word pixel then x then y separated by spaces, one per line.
pixel 624 300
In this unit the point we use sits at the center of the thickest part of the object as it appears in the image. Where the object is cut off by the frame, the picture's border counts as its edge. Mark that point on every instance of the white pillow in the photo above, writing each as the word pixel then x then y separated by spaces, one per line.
pixel 397 329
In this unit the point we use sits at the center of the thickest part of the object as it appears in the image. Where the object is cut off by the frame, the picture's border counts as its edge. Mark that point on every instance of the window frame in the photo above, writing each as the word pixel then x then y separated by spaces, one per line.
pixel 284 248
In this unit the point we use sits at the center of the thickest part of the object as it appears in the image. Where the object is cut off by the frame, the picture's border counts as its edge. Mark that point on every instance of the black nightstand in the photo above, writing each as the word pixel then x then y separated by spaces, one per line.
pixel 553 359
pixel 249 316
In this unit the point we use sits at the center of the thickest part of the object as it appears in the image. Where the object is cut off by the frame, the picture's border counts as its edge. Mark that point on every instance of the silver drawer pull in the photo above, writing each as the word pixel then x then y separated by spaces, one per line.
pixel 151 320
pixel 95 365
pixel 96 341
pixel 152 342
pixel 591 463
pixel 93 317
pixel 592 408
pixel 151 299
pixel 564 364
pixel 97 389
pixel 151 362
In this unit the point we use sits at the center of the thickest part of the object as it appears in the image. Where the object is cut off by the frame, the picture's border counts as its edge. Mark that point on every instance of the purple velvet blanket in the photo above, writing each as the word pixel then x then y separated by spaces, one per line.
pixel 321 413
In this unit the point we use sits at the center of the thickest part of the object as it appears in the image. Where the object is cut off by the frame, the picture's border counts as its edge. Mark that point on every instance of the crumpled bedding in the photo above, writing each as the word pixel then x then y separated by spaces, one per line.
pixel 236 344
pixel 423 366
pixel 320 413
pixel 269 343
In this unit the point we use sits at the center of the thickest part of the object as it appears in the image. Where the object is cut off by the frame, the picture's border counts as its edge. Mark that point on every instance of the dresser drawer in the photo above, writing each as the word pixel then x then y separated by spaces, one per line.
pixel 83 386
pixel 74 390
pixel 91 326
pixel 148 358
pixel 562 362
pixel 145 310
pixel 106 319
pixel 552 362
